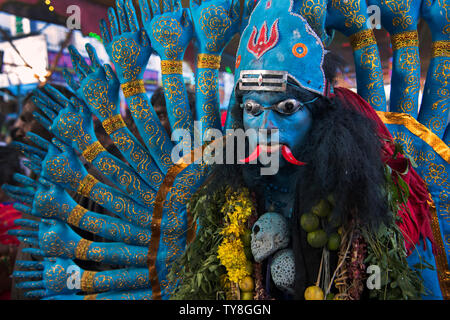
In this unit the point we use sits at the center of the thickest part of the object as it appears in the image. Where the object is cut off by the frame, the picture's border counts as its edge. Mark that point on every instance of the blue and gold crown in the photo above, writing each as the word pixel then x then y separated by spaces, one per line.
pixel 278 46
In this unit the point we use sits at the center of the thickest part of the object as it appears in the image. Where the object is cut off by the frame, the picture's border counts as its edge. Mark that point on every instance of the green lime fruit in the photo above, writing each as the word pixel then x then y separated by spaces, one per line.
pixel 247 284
pixel 309 222
pixel 323 209
pixel 317 239
pixel 334 241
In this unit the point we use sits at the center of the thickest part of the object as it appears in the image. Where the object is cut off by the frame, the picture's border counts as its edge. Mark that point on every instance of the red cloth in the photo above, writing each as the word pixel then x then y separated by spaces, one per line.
pixel 416 217
pixel 7 217
pixel 223 118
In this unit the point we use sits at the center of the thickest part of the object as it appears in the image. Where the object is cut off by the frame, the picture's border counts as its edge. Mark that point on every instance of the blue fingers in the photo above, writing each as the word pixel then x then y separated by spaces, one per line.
pixel 122 16
pixel 145 10
pixel 27 223
pixel 27 274
pixel 30 165
pixel 33 251
pixel 166 6
pixel 30 265
pixel 42 120
pixel 70 80
pixel 46 101
pixel 31 285
pixel 26 181
pixel 155 7
pixel 28 150
pixel 19 190
pixel 35 163
pixel 176 5
pixel 37 140
pixel 19 197
pixel 79 64
pixel 35 294
pixel 23 233
pixel 113 22
pixel 23 208
pixel 93 56
pixel 104 31
pixel 131 14
pixel 31 241
pixel 56 95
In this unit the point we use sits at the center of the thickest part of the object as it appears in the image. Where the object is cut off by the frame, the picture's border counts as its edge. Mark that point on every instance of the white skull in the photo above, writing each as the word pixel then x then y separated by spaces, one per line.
pixel 269 234
pixel 282 270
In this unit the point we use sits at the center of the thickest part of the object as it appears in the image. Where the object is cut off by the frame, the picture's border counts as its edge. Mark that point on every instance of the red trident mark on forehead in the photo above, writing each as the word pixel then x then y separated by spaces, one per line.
pixel 262 44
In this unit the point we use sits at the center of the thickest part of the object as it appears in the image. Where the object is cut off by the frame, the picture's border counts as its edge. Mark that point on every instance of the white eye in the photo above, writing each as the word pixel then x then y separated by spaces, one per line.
pixel 289 106
pixel 252 107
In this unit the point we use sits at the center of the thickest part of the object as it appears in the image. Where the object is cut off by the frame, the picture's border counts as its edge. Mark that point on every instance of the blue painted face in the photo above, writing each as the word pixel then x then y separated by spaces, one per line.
pixel 292 126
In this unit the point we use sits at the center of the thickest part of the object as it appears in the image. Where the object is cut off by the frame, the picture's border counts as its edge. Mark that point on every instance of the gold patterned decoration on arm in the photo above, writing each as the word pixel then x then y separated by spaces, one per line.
pixel 405 39
pixel 441 49
pixel 208 61
pixel 133 88
pixel 362 39
pixel 171 67
pixel 82 249
pixel 87 281
pixel 93 150
pixel 113 124
pixel 86 185
pixel 76 215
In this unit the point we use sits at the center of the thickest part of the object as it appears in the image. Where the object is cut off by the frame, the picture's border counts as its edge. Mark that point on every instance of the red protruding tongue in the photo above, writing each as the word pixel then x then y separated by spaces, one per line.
pixel 287 154
pixel 255 154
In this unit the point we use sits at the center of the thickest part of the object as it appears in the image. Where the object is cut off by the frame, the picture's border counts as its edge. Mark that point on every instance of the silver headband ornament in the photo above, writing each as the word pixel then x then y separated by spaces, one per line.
pixel 263 80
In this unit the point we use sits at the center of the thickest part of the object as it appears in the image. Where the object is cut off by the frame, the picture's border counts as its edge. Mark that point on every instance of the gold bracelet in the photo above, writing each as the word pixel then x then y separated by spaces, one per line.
pixel 113 124
pixel 441 49
pixel 133 88
pixel 362 39
pixel 92 151
pixel 171 67
pixel 405 39
pixel 86 185
pixel 82 249
pixel 87 281
pixel 76 215
pixel 208 61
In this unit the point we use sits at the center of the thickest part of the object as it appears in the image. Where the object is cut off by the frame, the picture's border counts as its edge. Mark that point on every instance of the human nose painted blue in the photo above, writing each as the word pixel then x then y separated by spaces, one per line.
pixel 275 111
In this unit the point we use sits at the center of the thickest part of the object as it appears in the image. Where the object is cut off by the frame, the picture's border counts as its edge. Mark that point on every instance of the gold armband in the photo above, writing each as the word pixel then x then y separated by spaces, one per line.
pixel 82 249
pixel 87 281
pixel 362 39
pixel 86 185
pixel 92 151
pixel 76 215
pixel 440 49
pixel 171 67
pixel 113 124
pixel 133 88
pixel 208 61
pixel 405 39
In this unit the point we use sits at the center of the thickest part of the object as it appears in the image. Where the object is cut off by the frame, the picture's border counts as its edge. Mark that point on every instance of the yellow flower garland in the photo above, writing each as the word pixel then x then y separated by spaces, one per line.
pixel 237 209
